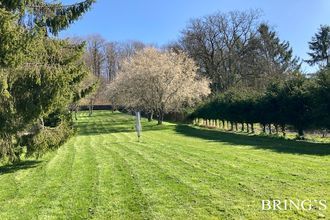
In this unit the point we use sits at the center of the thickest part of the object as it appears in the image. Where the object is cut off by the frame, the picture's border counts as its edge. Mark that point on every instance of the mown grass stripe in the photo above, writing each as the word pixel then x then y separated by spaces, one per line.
pixel 174 172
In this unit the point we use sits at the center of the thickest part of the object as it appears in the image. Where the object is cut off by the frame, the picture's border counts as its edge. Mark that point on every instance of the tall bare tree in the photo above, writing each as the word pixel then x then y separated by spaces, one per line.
pixel 218 42
pixel 111 59
pixel 96 54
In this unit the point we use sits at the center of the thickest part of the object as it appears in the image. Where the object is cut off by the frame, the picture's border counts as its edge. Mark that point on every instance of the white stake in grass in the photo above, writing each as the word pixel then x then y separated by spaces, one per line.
pixel 138 126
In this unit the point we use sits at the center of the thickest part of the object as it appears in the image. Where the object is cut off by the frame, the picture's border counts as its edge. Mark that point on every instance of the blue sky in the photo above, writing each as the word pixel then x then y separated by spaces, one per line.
pixel 160 21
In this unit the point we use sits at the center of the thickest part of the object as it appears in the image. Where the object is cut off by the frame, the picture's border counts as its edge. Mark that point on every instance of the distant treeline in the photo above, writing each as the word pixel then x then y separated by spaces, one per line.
pixel 300 102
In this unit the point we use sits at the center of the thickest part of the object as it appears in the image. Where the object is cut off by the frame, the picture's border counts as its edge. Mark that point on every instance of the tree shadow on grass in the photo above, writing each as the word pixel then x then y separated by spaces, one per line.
pixel 259 142
pixel 23 165
pixel 108 127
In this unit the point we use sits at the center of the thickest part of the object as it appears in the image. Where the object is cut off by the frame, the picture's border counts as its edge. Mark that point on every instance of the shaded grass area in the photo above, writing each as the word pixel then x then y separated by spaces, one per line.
pixel 20 166
pixel 270 143
pixel 174 172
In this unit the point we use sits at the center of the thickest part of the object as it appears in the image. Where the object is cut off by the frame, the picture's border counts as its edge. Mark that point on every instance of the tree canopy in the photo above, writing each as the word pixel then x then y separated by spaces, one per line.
pixel 158 82
pixel 39 76
pixel 319 46
pixel 300 102
pixel 236 49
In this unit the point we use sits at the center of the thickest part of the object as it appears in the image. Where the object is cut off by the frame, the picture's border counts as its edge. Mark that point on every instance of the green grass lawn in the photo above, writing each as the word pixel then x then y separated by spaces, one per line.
pixel 175 171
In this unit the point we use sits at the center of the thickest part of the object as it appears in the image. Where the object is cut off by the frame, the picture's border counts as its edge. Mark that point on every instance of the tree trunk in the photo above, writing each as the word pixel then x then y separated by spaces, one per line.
pixel 324 133
pixel 160 118
pixel 91 106
pixel 276 128
pixel 283 130
pixel 301 133
pixel 76 113
pixel 150 116
pixel 242 129
pixel 247 128
pixel 264 128
pixel 270 128
pixel 252 128
pixel 42 123
pixel 223 124
pixel 236 127
pixel 231 126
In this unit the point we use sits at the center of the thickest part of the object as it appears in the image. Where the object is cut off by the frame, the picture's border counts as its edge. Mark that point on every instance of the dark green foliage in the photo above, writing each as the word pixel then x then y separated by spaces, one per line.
pixel 319 45
pixel 278 53
pixel 268 58
pixel 55 119
pixel 298 101
pixel 52 16
pixel 88 90
pixel 39 76
pixel 12 40
pixel 62 16
pixel 321 96
pixel 49 138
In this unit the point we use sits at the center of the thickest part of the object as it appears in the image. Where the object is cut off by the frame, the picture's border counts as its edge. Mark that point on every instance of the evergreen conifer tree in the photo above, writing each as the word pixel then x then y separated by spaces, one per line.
pixel 319 45
pixel 39 75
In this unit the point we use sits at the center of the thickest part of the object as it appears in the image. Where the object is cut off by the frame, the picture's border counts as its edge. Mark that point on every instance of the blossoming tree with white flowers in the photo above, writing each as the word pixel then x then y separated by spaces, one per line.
pixel 158 82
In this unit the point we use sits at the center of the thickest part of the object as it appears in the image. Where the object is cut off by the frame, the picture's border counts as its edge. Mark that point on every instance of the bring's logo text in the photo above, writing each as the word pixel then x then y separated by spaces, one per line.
pixel 295 204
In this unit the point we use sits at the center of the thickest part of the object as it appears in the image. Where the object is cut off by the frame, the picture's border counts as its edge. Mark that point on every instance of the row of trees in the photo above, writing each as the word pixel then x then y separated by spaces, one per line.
pixel 229 49
pixel 254 75
pixel 233 50
pixel 40 76
pixel 104 59
pixel 300 102
pixel 236 48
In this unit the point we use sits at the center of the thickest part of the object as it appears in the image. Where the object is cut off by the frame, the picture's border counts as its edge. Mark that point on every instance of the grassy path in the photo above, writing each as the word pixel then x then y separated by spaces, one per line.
pixel 174 172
